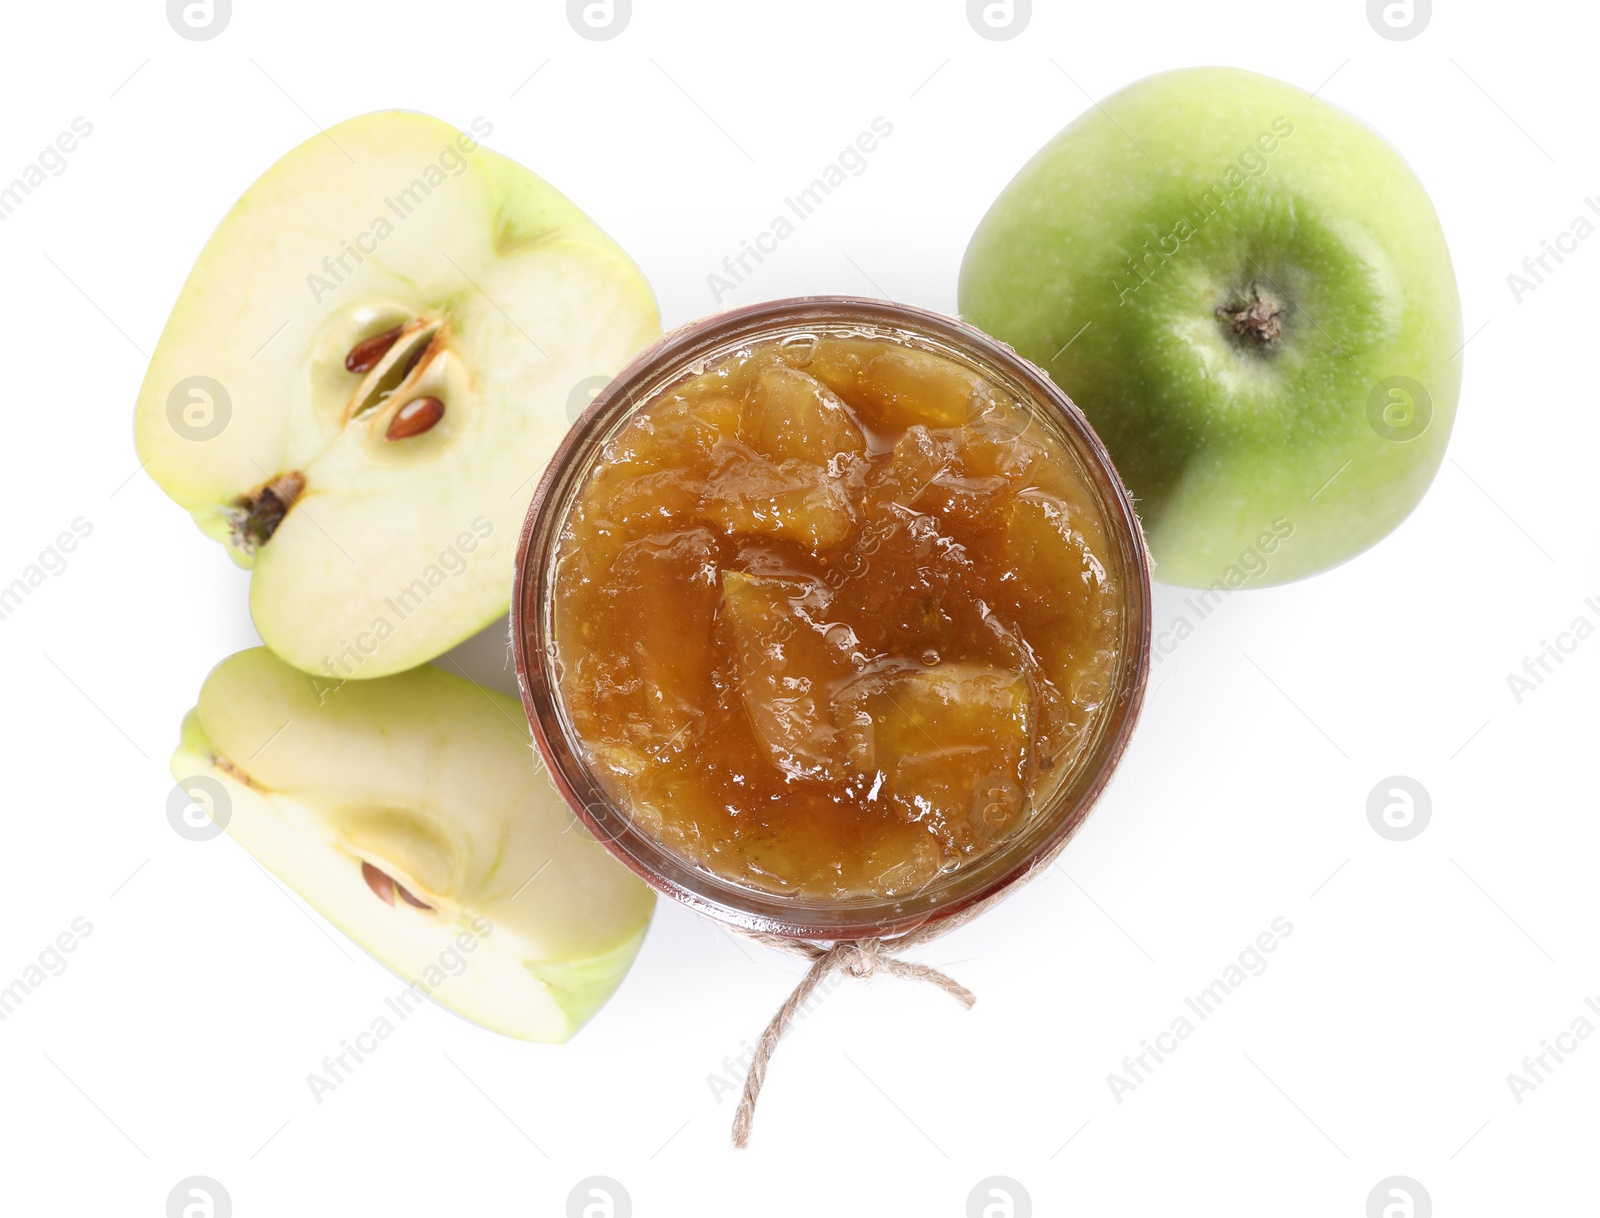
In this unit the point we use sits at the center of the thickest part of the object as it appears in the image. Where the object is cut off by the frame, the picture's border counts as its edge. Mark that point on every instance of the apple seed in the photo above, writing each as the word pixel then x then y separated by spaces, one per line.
pixel 415 417
pixel 405 895
pixel 384 887
pixel 381 885
pixel 364 356
pixel 412 348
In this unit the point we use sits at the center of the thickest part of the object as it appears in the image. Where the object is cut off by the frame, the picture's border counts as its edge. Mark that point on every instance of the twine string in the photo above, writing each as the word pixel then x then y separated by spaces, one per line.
pixel 860 958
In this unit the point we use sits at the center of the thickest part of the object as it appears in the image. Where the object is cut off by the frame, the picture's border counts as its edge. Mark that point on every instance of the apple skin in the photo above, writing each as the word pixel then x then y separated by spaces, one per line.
pixel 1106 259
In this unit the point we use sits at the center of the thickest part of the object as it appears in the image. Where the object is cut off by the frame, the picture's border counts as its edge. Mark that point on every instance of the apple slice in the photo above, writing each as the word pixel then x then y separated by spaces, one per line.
pixel 421 787
pixel 366 372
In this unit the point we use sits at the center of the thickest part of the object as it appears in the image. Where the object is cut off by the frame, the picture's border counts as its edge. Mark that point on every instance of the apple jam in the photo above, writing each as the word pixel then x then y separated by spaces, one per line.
pixel 834 616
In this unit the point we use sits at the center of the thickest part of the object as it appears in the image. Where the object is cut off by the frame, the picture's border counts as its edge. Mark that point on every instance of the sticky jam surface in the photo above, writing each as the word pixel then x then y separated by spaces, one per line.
pixel 834 616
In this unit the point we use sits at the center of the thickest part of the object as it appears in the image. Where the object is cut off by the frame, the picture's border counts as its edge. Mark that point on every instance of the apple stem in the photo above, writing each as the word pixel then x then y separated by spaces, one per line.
pixel 256 516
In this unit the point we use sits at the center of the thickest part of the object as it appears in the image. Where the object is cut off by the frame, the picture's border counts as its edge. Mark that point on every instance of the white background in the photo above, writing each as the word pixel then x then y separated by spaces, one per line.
pixel 1378 1041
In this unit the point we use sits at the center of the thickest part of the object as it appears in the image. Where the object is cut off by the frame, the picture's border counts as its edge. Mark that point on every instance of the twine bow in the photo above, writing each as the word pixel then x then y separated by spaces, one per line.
pixel 858 957
pixel 862 958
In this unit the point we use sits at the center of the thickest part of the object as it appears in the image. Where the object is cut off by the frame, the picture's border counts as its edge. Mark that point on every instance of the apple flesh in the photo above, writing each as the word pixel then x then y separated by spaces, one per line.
pixel 411 811
pixel 364 375
pixel 1244 289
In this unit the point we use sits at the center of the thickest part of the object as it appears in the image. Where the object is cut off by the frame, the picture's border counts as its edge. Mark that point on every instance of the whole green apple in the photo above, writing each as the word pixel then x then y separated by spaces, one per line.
pixel 1248 293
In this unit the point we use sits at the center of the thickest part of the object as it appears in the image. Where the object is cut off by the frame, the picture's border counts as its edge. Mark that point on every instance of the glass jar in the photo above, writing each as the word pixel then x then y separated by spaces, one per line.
pixel 683 354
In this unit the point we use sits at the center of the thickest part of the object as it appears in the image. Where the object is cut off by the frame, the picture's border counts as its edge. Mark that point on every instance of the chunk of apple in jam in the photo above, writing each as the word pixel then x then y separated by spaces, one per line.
pixel 748 495
pixel 649 503
pixel 658 587
pixel 893 387
pixel 969 472
pixel 792 415
pixel 1061 578
pixel 1065 587
pixel 910 386
pixel 904 577
pixel 649 479
pixel 790 659
pixel 932 475
pixel 838 362
pixel 676 433
pixel 948 747
pixel 1002 443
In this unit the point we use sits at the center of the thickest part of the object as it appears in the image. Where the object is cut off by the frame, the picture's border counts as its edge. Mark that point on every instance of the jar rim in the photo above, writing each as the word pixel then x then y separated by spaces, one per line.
pixel 680 354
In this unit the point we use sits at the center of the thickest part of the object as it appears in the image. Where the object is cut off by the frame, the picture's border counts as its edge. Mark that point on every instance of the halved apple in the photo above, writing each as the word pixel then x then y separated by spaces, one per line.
pixel 413 814
pixel 365 374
